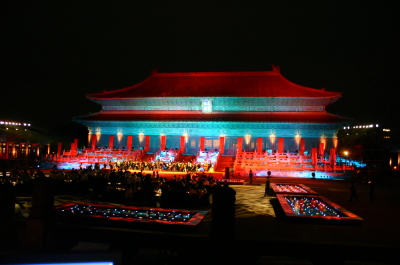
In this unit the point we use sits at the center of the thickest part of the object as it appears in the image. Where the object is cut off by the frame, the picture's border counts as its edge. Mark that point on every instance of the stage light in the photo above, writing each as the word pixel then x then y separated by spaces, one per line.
pixel 335 142
pixel 247 138
pixel 186 135
pixel 98 134
pixel 119 136
pixel 297 139
pixel 272 138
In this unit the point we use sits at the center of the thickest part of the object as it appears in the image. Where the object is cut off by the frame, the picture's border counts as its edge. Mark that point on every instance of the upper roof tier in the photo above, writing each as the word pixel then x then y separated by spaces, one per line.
pixel 264 84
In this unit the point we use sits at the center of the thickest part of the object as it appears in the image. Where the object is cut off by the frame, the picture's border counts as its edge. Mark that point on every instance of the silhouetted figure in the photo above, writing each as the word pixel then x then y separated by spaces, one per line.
pixel 353 191
pixel 267 187
pixel 41 224
pixel 223 212
pixel 251 176
pixel 7 201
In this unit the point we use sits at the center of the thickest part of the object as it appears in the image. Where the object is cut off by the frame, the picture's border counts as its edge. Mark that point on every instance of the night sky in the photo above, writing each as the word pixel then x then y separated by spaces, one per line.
pixel 55 54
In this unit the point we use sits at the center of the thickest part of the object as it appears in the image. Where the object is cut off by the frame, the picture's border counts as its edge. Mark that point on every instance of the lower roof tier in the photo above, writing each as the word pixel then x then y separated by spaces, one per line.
pixel 197 116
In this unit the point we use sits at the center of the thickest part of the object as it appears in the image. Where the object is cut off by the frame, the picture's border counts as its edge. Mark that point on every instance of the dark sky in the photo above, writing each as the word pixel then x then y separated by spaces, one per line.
pixel 55 54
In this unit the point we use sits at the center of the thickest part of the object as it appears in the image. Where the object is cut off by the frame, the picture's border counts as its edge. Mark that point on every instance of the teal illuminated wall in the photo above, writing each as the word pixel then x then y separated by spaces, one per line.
pixel 269 132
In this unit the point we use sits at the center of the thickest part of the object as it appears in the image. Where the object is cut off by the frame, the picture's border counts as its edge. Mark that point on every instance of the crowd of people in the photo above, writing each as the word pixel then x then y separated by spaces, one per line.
pixel 122 186
pixel 153 165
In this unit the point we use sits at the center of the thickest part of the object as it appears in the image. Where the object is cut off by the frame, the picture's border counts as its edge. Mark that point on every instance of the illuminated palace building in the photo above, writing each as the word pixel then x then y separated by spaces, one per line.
pixel 260 118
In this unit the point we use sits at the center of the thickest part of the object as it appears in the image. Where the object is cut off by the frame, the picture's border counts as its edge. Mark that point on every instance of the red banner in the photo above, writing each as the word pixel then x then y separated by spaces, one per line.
pixel 321 150
pixel 59 148
pixel 259 145
pixel 333 156
pixel 94 141
pixel 302 146
pixel 314 156
pixel 129 141
pixel 147 144
pixel 163 139
pixel 73 149
pixel 201 143
pixel 182 145
pixel 280 145
pixel 240 144
pixel 76 143
pixel 222 144
pixel 111 142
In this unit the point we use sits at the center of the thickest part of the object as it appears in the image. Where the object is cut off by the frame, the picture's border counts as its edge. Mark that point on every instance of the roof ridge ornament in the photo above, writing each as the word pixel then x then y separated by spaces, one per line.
pixel 276 68
pixel 154 71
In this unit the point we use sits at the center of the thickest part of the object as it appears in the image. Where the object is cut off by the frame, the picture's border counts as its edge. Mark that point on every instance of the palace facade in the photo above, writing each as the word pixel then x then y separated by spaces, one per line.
pixel 225 111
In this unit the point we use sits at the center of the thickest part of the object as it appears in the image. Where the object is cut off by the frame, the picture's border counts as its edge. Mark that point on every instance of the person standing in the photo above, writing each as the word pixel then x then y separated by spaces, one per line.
pixel 251 176
pixel 267 187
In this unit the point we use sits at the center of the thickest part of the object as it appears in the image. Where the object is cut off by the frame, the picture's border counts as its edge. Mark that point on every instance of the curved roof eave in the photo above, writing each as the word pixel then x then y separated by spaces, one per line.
pixel 267 84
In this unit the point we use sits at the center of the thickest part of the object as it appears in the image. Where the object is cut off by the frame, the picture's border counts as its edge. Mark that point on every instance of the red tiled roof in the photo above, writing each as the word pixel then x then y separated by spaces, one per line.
pixel 197 116
pixel 217 84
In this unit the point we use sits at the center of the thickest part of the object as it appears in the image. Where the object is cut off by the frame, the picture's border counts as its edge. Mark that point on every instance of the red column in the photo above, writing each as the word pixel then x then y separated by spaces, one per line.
pixel 259 145
pixel 163 140
pixel 76 144
pixel 73 149
pixel 321 150
pixel 280 145
pixel 7 150
pixel 314 156
pixel 182 145
pixel 240 144
pixel 94 141
pixel 129 141
pixel 333 157
pixel 222 144
pixel 147 144
pixel 59 148
pixel 302 146
pixel 111 142
pixel 201 143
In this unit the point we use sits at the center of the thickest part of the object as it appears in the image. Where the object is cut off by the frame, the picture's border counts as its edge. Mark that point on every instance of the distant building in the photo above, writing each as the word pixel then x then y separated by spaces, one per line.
pixel 377 146
pixel 19 145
